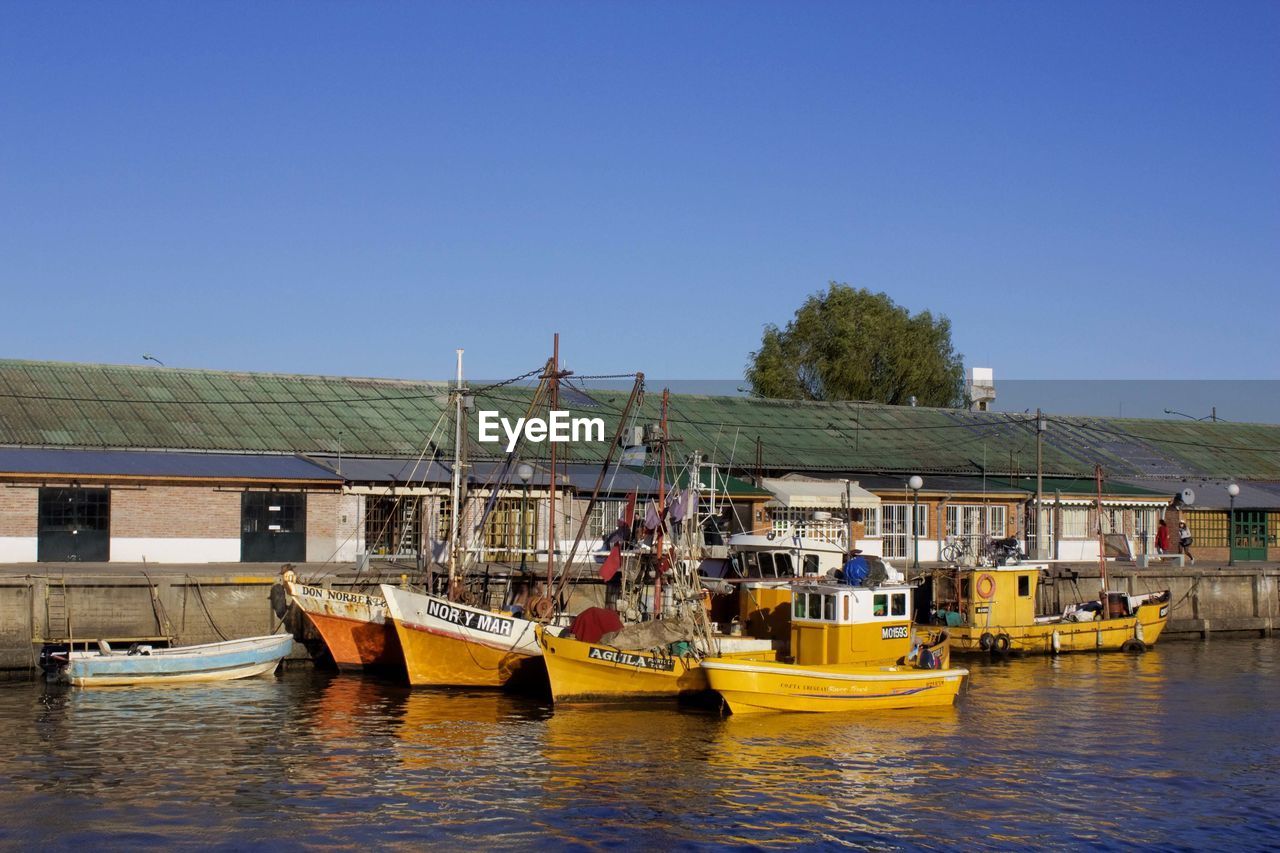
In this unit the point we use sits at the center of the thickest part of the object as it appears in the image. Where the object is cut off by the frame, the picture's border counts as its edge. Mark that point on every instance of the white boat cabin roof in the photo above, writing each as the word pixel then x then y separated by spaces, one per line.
pixel 841 604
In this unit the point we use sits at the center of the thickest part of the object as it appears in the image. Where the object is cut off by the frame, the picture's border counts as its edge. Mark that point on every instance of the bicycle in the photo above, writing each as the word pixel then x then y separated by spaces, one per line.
pixel 957 549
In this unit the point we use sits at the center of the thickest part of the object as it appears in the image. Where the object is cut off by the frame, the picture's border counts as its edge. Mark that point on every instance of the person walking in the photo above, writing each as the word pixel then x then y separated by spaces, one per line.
pixel 1162 537
pixel 1184 541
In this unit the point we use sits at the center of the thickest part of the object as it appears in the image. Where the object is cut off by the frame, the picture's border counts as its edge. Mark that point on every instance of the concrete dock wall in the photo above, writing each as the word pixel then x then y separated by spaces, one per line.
pixel 200 605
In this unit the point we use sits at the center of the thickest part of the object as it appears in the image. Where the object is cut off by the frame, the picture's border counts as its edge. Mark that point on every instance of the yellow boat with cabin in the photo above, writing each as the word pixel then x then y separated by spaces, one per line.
pixel 853 648
pixel 993 610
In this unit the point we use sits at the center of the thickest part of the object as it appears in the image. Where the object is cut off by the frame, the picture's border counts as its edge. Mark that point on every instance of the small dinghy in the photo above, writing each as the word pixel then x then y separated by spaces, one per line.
pixel 108 667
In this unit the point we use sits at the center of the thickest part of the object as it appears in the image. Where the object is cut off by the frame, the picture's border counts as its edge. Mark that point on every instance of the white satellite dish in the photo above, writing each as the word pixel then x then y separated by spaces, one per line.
pixel 1188 495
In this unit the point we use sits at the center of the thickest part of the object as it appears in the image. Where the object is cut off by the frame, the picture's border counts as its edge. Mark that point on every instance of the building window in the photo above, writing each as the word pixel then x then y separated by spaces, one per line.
pixel 1208 529
pixel 1112 520
pixel 870 518
pixel 504 536
pixel 997 524
pixel 1144 529
pixel 1075 522
pixel 392 526
pixel 603 519
pixel 789 522
pixel 898 533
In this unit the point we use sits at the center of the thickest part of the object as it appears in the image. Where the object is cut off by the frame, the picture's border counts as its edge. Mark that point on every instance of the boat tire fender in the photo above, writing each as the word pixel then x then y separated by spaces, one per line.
pixel 1134 646
pixel 986 641
pixel 1001 644
pixel 985 586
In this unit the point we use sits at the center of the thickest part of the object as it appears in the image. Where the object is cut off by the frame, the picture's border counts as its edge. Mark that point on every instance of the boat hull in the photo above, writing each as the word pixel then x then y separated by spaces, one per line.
pixel 354 626
pixel 447 644
pixel 226 661
pixel 1100 635
pixel 749 688
pixel 592 672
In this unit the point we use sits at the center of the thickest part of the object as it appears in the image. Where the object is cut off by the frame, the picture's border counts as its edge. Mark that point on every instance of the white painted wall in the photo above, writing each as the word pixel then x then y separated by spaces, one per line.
pixel 17 549
pixel 1077 550
pixel 173 550
pixel 870 546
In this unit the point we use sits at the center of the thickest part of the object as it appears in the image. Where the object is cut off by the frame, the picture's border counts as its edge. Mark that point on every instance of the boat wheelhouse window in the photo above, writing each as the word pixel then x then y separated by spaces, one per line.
pixel 829 607
pixel 899 604
pixel 880 605
pixel 810 564
pixel 964 587
pixel 798 608
pixel 747 565
pixel 1024 585
pixel 766 565
pixel 846 607
pixel 782 562
pixel 815 606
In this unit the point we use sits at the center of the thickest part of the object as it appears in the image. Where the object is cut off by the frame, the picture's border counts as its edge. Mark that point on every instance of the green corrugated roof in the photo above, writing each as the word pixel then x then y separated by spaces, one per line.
pixel 724 484
pixel 91 405
pixel 1087 486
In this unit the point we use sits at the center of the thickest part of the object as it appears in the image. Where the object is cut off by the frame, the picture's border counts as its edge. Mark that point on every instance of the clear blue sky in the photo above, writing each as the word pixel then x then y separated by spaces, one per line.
pixel 1086 189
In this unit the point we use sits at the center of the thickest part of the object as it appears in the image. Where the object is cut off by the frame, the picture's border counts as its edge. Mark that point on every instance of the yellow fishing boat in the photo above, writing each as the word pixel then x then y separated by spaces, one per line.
pixel 581 671
pixel 659 660
pixel 852 648
pixel 993 610
pixel 450 644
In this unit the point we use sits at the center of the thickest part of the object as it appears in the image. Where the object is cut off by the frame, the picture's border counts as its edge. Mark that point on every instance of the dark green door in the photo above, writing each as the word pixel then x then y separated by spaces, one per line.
pixel 1249 535
pixel 273 527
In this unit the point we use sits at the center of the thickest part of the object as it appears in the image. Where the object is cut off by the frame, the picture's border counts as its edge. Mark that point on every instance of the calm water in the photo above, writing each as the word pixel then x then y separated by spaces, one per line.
pixel 1177 748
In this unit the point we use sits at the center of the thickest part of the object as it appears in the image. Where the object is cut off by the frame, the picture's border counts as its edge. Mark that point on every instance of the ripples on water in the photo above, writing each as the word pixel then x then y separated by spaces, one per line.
pixel 1176 748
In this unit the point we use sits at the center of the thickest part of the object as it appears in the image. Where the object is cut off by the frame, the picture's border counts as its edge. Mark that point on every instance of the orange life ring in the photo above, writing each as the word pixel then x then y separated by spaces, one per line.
pixel 985 591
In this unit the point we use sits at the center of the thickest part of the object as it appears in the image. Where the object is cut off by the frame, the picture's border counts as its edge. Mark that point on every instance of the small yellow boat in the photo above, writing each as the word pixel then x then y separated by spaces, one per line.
pixel 755 687
pixel 994 612
pixel 852 648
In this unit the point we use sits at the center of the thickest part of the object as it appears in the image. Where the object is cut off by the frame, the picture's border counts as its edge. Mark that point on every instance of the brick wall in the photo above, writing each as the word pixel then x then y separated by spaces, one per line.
pixel 334 526
pixel 171 512
pixel 19 509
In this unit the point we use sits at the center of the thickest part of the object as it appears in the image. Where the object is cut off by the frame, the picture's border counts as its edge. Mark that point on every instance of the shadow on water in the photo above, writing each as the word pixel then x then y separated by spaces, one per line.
pixel 1173 748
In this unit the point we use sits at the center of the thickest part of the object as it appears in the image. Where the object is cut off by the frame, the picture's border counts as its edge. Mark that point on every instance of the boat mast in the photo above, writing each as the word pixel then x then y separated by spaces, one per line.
pixel 662 505
pixel 1102 539
pixel 551 507
pixel 455 492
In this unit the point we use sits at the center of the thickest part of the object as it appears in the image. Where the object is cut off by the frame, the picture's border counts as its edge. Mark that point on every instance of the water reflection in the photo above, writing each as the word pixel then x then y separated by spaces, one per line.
pixel 1175 748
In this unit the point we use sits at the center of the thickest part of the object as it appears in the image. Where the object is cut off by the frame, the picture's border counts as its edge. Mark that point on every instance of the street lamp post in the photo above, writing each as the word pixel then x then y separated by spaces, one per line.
pixel 1212 416
pixel 525 472
pixel 1232 491
pixel 915 483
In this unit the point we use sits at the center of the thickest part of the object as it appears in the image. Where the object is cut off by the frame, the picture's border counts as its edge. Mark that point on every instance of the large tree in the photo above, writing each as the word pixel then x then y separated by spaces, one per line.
pixel 851 344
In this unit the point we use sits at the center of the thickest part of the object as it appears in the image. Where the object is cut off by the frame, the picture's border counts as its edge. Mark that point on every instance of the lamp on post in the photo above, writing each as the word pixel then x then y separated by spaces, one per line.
pixel 1232 491
pixel 915 483
pixel 525 472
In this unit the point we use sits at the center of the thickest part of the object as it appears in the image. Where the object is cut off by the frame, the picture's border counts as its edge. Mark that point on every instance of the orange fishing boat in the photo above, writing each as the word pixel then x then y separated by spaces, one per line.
pixel 353 625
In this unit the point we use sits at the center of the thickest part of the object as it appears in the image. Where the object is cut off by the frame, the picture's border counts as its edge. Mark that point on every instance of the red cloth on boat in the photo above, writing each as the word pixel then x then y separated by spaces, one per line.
pixel 593 623
pixel 612 563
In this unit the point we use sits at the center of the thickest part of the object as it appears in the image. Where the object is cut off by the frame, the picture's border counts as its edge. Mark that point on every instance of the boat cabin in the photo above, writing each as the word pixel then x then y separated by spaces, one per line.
pixel 836 623
pixel 771 556
pixel 1003 595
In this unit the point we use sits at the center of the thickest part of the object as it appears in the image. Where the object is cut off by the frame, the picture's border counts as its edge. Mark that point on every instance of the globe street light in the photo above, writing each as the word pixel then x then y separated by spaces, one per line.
pixel 1212 416
pixel 915 483
pixel 525 472
pixel 1232 491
